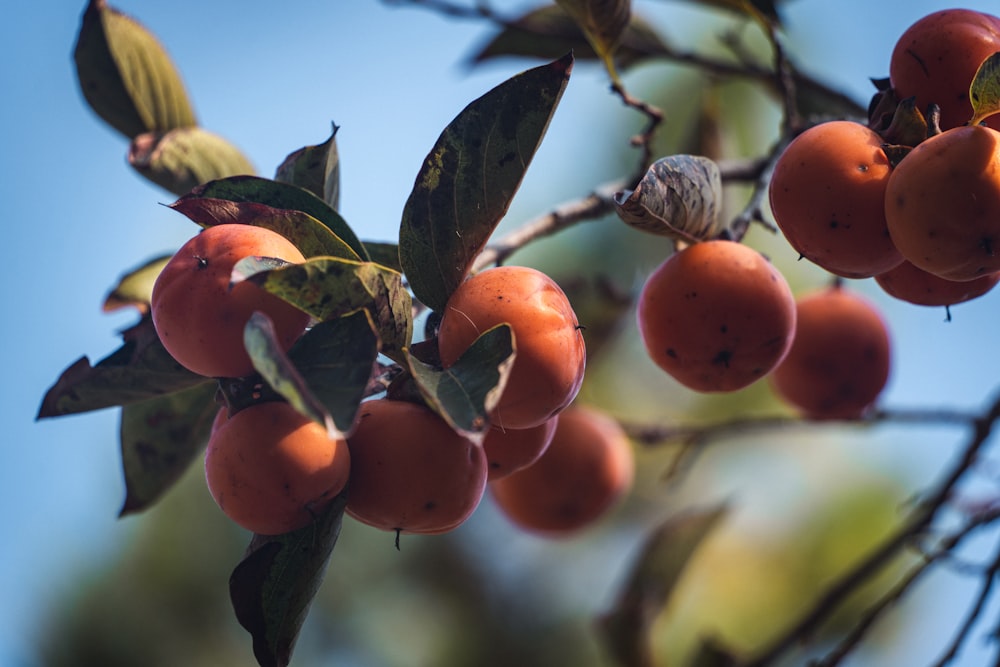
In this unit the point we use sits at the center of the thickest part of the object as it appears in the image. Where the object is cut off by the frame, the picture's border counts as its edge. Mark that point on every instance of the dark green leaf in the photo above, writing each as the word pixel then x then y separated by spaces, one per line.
pixel 282 196
pixel 680 196
pixel 336 359
pixel 548 32
pixel 654 575
pixel 126 76
pixel 160 438
pixel 315 168
pixel 386 254
pixel 470 176
pixel 274 585
pixel 327 288
pixel 135 287
pixel 181 159
pixel 270 360
pixel 310 236
pixel 140 369
pixel 467 392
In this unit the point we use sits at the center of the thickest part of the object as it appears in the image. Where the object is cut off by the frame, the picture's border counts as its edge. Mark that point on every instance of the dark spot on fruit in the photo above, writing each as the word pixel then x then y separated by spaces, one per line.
pixel 430 505
pixel 672 353
pixel 863 168
pixel 987 245
pixel 723 357
pixel 723 329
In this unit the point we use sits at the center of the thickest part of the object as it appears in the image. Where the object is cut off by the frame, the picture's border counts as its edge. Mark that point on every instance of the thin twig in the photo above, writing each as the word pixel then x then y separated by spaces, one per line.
pixel 945 547
pixel 988 580
pixel 920 518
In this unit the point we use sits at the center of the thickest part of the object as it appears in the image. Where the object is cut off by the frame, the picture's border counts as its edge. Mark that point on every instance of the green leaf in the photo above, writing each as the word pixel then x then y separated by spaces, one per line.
pixel 126 75
pixel 548 32
pixel 160 438
pixel 337 358
pixel 282 196
pixel 310 236
pixel 315 168
pixel 470 176
pixel 184 158
pixel 680 196
pixel 386 254
pixel 651 581
pixel 327 288
pixel 140 369
pixel 135 287
pixel 270 360
pixel 274 585
pixel 603 22
pixel 467 392
pixel 984 93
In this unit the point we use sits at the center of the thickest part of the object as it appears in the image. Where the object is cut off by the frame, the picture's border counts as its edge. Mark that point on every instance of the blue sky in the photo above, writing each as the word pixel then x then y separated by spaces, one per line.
pixel 270 81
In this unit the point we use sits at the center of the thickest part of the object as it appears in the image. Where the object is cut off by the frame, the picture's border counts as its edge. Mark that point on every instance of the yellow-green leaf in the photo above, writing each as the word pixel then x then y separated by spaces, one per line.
pixel 984 93
pixel 603 22
pixel 126 75
pixel 135 287
pixel 182 159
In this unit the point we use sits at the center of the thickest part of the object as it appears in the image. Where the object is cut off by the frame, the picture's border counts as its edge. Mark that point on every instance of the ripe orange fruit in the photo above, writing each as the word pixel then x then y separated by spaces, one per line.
pixel 586 469
pixel 271 469
pixel 410 471
pixel 908 283
pixel 551 355
pixel 936 58
pixel 840 359
pixel 717 316
pixel 942 204
pixel 200 320
pixel 827 195
pixel 511 449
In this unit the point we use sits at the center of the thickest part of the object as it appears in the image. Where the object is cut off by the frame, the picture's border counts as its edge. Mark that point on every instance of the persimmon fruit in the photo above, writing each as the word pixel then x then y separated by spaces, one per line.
pixel 271 469
pixel 936 58
pixel 551 356
pixel 716 316
pixel 908 283
pixel 827 196
pixel 840 359
pixel 942 204
pixel 200 320
pixel 585 470
pixel 510 449
pixel 410 471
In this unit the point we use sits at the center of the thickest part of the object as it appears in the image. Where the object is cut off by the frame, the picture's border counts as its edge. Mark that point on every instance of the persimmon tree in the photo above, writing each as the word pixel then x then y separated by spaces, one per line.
pixel 723 312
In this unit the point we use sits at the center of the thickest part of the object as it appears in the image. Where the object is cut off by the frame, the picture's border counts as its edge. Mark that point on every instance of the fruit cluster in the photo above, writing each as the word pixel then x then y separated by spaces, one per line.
pixel 913 196
pixel 553 467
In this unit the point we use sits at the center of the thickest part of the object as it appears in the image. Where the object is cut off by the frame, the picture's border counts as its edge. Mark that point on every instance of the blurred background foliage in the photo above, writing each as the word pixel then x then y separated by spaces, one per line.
pixel 489 595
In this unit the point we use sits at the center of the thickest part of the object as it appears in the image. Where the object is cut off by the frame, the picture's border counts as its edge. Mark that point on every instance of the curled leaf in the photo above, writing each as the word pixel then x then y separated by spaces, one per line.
pixel 328 287
pixel 182 159
pixel 270 360
pixel 984 93
pixel 126 76
pixel 135 287
pixel 465 393
pixel 680 196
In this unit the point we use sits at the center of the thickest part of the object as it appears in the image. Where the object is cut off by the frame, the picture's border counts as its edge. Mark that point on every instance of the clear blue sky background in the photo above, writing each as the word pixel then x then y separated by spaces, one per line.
pixel 272 80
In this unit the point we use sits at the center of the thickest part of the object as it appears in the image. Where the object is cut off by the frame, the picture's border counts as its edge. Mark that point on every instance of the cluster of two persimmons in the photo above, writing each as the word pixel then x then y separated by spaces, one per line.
pixel 552 467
